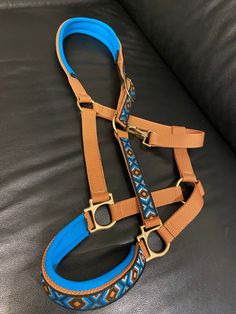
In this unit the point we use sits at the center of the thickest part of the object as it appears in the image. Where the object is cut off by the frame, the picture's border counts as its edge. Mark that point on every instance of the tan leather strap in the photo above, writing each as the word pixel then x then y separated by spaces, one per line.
pixel 160 135
pixel 182 159
pixel 96 178
pixel 190 139
pixel 79 91
pixel 130 206
pixel 177 222
pixel 172 227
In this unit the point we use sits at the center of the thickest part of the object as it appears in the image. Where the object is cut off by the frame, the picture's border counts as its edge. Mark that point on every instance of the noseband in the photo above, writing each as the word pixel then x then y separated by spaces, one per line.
pixel 109 287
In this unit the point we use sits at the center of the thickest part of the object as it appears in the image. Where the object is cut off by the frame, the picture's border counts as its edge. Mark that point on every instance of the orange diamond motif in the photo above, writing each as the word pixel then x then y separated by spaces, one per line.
pixel 46 289
pixel 134 274
pixel 112 294
pixel 130 152
pixel 143 193
pixel 77 303
pixel 136 172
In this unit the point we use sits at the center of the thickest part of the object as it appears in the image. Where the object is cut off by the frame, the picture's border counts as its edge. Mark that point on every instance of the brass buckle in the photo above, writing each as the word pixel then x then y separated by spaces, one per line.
pixel 143 135
pixel 144 236
pixel 92 211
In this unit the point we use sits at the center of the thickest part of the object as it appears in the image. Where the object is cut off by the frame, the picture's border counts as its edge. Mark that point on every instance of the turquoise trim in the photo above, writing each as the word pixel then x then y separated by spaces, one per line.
pixel 67 239
pixel 91 27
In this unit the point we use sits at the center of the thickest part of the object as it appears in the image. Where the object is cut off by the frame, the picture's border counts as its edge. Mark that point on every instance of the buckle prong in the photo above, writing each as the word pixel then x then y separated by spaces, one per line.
pixel 144 236
pixel 92 211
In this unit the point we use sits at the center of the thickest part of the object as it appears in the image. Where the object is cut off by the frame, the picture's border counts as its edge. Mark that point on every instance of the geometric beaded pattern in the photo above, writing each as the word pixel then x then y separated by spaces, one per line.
pixel 103 297
pixel 143 194
pixel 125 112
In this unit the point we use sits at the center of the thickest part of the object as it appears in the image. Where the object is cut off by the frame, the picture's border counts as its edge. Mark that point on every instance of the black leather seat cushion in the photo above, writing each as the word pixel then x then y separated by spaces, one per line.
pixel 43 179
pixel 197 40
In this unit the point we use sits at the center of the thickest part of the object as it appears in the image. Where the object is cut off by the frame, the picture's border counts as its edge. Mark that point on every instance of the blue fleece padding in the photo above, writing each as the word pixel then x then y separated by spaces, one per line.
pixel 91 27
pixel 69 237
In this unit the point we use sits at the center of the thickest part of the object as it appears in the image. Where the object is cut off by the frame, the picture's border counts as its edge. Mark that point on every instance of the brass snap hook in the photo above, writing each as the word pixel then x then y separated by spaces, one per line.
pixel 143 135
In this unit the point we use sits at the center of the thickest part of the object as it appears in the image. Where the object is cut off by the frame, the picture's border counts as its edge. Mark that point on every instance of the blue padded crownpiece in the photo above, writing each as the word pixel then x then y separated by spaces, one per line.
pixel 69 237
pixel 91 27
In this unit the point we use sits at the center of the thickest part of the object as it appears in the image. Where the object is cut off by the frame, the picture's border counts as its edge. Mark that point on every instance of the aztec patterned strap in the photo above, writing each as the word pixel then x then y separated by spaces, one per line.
pixel 93 293
pixel 148 210
pixel 109 287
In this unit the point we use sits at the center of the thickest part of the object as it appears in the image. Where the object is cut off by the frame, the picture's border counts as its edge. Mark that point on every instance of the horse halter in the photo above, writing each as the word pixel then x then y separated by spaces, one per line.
pixel 101 291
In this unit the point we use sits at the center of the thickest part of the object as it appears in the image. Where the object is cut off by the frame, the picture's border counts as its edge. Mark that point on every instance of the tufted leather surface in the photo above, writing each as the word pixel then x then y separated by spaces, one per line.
pixel 43 181
pixel 197 40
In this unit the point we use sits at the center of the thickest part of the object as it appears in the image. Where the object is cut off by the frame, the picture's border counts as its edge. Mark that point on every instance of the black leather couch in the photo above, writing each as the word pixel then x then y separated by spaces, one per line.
pixel 181 56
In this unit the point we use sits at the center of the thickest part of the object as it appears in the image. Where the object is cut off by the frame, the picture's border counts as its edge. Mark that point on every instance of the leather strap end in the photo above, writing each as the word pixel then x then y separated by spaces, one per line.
pixel 89 220
pixel 152 222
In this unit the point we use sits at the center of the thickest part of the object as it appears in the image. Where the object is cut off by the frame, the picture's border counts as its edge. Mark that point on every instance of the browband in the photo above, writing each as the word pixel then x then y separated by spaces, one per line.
pixel 101 291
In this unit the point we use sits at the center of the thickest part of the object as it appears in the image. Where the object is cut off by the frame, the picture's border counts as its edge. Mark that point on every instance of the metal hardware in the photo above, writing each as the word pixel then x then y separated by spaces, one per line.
pixel 126 88
pixel 81 108
pixel 92 211
pixel 114 124
pixel 144 236
pixel 178 183
pixel 144 135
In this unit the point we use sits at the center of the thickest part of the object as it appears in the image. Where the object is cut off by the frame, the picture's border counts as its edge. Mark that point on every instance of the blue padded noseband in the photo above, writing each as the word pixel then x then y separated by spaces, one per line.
pixel 64 242
pixel 91 27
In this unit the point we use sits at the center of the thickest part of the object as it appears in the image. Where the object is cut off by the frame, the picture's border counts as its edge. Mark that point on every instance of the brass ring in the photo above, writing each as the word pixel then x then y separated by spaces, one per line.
pixel 80 108
pixel 178 183
pixel 114 124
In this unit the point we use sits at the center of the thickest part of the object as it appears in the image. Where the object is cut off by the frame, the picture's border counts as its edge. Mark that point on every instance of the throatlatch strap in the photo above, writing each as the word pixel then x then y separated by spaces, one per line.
pixel 109 287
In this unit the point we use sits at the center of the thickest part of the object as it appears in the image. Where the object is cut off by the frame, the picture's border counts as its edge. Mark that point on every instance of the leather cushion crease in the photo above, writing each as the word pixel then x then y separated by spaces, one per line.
pixel 43 179
pixel 197 42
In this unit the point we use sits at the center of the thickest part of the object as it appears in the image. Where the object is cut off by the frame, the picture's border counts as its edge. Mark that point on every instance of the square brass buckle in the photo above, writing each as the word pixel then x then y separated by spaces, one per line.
pixel 92 211
pixel 144 135
pixel 144 236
